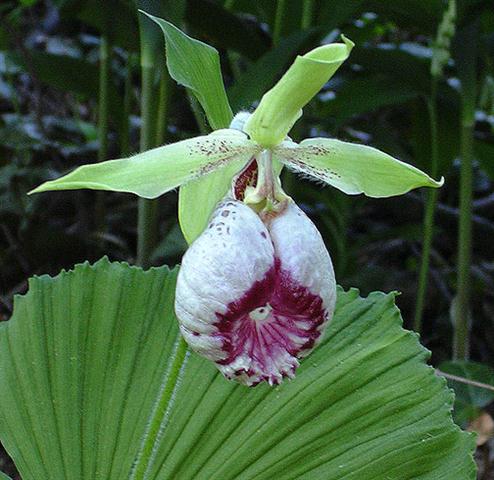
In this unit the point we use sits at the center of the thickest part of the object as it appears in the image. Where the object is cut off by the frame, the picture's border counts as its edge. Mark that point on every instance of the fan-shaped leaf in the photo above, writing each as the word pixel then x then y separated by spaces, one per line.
pixel 80 365
pixel 82 361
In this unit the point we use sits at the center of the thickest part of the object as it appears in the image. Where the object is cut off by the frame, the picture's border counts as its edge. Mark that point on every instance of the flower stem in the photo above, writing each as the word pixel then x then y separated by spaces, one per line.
pixel 430 209
pixel 103 103
pixel 159 416
pixel 278 21
pixel 466 55
pixel 462 310
pixel 307 14
pixel 104 77
pixel 147 222
pixel 127 105
pixel 164 103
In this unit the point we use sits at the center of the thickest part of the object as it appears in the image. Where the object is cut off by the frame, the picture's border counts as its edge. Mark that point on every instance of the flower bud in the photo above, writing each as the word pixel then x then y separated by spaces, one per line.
pixel 253 295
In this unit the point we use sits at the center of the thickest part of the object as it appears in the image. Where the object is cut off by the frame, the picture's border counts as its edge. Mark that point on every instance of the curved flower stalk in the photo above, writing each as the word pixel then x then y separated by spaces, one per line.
pixel 256 288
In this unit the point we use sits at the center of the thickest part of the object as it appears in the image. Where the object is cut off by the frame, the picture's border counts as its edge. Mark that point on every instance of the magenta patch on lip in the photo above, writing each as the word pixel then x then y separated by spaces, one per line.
pixel 272 324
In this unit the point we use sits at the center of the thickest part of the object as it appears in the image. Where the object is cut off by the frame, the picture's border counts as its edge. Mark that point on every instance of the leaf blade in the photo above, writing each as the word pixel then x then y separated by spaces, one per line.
pixel 362 404
pixel 304 429
pixel 89 419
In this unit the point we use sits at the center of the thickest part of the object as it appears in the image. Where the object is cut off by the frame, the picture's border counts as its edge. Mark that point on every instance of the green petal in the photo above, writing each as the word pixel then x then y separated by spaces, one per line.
pixel 281 107
pixel 155 172
pixel 353 168
pixel 197 200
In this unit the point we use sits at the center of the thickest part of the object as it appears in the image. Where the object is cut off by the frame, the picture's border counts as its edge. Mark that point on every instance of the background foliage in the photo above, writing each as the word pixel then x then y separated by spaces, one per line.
pixel 52 54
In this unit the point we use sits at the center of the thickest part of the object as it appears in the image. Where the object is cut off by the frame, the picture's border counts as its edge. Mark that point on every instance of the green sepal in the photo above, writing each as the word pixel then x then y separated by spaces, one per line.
pixel 154 172
pixel 196 65
pixel 282 106
pixel 352 168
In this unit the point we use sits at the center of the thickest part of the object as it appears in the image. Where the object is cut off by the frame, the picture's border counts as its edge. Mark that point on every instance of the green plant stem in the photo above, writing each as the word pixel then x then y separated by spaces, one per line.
pixel 307 14
pixel 104 77
pixel 464 380
pixel 462 308
pixel 127 104
pixel 430 210
pixel 164 102
pixel 147 222
pixel 103 100
pixel 159 416
pixel 278 21
pixel 196 110
pixel 466 61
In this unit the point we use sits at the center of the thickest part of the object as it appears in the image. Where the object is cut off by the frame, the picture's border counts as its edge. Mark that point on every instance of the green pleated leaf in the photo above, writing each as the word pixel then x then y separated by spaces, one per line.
pixel 154 172
pixel 83 358
pixel 4 477
pixel 352 168
pixel 363 406
pixel 81 362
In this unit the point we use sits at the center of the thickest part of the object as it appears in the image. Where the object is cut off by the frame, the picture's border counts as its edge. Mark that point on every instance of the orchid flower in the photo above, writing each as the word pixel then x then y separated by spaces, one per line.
pixel 256 289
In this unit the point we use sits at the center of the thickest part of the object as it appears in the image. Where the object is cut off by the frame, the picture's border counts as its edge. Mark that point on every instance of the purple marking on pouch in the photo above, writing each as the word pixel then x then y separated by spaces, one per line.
pixel 275 317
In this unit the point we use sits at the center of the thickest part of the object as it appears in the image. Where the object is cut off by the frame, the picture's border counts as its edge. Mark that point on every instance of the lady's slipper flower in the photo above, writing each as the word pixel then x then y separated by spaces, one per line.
pixel 256 288
pixel 349 167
